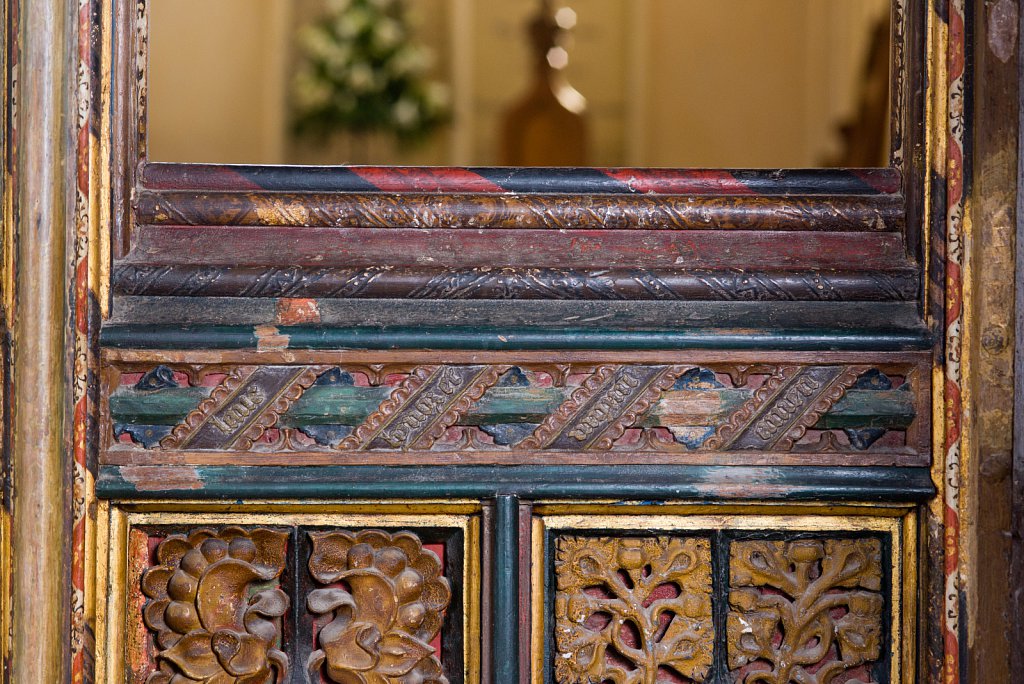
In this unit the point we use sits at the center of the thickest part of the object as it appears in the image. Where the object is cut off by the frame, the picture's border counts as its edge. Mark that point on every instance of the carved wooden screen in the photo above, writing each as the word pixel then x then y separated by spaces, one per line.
pixel 378 424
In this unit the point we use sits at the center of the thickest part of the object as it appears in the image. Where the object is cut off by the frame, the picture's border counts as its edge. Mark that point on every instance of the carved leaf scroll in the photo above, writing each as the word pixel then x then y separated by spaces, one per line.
pixel 385 597
pixel 633 610
pixel 804 612
pixel 215 609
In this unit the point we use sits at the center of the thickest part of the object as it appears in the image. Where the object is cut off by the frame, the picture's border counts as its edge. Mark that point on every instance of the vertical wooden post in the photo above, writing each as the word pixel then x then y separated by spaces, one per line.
pixel 39 419
pixel 987 517
pixel 505 647
pixel 1017 475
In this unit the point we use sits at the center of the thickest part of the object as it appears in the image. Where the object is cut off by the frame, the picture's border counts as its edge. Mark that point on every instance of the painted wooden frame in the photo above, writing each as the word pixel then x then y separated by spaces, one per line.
pixel 128 650
pixel 604 234
pixel 936 195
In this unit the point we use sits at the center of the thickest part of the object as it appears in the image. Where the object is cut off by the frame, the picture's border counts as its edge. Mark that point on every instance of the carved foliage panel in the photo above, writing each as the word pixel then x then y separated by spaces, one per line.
pixel 627 609
pixel 237 605
pixel 805 611
pixel 713 608
pixel 868 411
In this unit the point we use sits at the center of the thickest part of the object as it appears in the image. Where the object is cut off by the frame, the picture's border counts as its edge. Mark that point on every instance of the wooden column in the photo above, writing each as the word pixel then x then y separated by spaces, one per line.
pixel 39 423
pixel 988 518
pixel 1017 550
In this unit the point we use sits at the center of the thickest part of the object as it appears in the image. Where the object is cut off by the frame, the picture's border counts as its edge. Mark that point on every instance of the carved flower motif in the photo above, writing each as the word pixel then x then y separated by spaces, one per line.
pixel 387 605
pixel 208 627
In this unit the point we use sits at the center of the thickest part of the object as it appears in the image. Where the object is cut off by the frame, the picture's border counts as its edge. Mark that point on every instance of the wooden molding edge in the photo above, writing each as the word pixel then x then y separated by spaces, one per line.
pixel 40 425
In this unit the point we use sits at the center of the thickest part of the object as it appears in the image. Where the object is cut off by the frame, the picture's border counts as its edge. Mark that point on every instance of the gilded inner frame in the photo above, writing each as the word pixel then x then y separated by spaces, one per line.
pixel 898 527
pixel 120 630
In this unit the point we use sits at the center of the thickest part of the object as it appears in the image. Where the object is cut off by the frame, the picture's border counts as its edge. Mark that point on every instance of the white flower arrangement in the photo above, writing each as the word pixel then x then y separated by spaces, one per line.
pixel 362 73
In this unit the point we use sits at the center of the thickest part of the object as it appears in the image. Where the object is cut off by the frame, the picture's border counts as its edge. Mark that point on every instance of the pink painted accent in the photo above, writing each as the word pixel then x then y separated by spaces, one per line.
pixel 411 179
pixel 702 182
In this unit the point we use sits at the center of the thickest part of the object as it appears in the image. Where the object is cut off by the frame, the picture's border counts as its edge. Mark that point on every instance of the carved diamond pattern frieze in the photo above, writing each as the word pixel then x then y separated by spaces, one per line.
pixel 805 612
pixel 505 409
pixel 632 610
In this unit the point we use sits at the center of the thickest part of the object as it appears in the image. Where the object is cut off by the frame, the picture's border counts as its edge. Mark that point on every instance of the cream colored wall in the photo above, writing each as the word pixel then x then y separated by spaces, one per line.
pixel 721 109
pixel 217 80
pixel 718 83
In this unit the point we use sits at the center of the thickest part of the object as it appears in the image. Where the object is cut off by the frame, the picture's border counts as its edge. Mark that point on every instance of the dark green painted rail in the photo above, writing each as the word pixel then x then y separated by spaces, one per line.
pixel 649 482
pixel 130 336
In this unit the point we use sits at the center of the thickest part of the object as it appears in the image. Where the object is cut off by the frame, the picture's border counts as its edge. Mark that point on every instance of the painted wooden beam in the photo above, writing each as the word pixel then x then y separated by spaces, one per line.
pixel 644 483
pixel 149 336
pixel 505 615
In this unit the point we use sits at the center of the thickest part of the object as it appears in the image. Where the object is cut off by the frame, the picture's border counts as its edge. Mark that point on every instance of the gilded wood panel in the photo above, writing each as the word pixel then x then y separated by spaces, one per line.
pixel 766 599
pixel 628 608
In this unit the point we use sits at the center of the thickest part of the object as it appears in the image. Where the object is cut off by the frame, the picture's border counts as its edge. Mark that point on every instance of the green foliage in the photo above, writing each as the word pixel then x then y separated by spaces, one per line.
pixel 362 73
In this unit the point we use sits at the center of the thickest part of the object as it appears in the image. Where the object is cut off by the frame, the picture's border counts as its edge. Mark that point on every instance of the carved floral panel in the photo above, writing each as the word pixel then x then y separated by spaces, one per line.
pixel 218 606
pixel 806 611
pixel 633 610
pixel 215 607
pixel 384 599
pixel 551 408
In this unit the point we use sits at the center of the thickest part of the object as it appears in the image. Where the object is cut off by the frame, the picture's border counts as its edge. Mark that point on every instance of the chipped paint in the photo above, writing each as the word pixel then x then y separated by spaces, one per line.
pixel 1003 26
pixel 160 478
pixel 297 311
pixel 270 338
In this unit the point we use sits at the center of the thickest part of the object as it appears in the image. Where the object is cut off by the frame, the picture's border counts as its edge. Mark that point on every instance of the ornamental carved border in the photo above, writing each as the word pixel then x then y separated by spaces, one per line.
pixel 870 412
pixel 515 282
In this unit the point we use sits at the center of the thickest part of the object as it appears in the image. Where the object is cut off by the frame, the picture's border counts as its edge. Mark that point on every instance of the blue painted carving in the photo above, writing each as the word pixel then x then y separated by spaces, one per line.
pixel 695 380
pixel 512 433
pixel 159 378
pixel 863 438
pixel 148 436
pixel 328 435
pixel 515 377
pixel 335 378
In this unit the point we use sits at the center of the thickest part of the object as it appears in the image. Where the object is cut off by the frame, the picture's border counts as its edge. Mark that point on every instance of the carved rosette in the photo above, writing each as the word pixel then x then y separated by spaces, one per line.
pixel 629 609
pixel 804 611
pixel 213 607
pixel 386 603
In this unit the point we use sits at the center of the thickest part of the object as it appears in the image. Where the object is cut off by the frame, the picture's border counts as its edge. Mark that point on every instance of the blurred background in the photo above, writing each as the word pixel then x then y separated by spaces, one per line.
pixel 658 83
